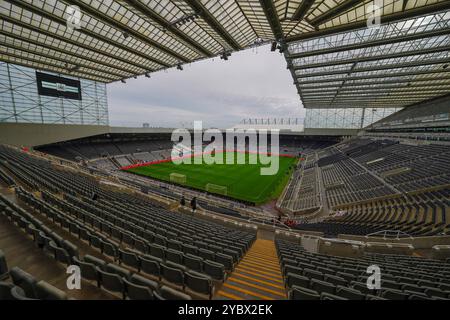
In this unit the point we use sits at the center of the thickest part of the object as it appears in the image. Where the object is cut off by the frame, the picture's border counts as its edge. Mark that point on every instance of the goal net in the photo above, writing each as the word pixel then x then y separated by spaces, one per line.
pixel 178 178
pixel 215 188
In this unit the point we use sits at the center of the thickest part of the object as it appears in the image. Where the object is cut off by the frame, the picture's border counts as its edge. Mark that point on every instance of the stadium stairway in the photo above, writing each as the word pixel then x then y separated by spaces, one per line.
pixel 257 276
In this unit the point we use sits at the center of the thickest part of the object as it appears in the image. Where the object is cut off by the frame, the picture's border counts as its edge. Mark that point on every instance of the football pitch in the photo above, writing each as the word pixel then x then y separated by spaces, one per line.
pixel 238 181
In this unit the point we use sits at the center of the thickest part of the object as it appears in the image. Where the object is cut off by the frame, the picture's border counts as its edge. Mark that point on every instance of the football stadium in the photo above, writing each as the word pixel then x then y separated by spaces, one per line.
pixel 349 202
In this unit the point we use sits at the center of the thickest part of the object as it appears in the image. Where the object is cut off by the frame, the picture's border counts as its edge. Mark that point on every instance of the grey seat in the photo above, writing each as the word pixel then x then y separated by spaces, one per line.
pixel 300 293
pixel 88 271
pixel 207 254
pixel 151 266
pixel 193 262
pixel 174 256
pixel 226 260
pixel 5 291
pixel 329 296
pixel 96 261
pixel 129 259
pixel 297 280
pixel 25 281
pixel 166 293
pixel 137 292
pixel 172 275
pixel 336 280
pixel 113 268
pixel 17 293
pixel 157 250
pixel 3 266
pixel 392 294
pixel 349 293
pixel 112 282
pixel 323 286
pixel 140 280
pixel 198 282
pixel 46 291
pixel 189 249
pixel 214 270
pixel 110 249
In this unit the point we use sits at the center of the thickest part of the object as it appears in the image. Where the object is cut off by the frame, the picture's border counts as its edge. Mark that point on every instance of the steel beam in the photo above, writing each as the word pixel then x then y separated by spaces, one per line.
pixel 374 76
pixel 376 68
pixel 302 10
pixel 272 17
pixel 125 29
pixel 335 11
pixel 75 43
pixel 63 53
pixel 145 10
pixel 394 55
pixel 397 16
pixel 30 62
pixel 213 23
pixel 372 43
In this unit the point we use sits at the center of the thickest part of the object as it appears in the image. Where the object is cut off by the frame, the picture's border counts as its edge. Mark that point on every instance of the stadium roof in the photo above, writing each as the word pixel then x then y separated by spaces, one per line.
pixel 118 39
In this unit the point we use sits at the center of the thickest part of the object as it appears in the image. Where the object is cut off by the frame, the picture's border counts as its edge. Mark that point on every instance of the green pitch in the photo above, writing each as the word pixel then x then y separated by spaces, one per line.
pixel 241 181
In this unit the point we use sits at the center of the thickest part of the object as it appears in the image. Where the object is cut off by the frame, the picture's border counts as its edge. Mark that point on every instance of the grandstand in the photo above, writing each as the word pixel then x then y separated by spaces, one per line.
pixel 363 182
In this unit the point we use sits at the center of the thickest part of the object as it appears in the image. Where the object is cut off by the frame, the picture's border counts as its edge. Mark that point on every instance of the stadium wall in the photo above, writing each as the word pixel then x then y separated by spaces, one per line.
pixel 34 134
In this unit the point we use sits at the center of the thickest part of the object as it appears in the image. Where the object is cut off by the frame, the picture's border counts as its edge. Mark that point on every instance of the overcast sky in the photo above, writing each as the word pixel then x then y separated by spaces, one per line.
pixel 251 84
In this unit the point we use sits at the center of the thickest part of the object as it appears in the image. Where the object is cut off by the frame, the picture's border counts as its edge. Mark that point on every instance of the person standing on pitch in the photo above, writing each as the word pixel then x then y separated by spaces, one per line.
pixel 194 204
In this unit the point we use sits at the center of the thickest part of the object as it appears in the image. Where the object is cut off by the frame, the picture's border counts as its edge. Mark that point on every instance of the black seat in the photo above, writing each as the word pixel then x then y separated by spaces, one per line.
pixel 3 266
pixel 137 292
pixel 166 293
pixel 198 282
pixel 151 265
pixel 172 274
pixel 300 293
pixel 349 293
pixel 25 281
pixel 129 259
pixel 112 282
pixel 214 270
pixel 45 291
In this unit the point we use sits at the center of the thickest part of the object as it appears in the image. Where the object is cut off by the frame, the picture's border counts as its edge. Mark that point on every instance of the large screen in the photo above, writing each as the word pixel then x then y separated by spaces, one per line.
pixel 56 86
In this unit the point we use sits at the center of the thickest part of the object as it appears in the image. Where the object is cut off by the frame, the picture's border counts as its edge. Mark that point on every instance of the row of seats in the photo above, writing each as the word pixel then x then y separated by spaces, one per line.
pixel 316 276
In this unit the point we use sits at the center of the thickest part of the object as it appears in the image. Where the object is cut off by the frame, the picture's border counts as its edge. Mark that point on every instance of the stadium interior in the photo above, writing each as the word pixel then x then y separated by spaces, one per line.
pixel 367 191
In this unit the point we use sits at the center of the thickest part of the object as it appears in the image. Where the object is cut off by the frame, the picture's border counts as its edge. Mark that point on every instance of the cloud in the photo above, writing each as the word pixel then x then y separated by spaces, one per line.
pixel 251 84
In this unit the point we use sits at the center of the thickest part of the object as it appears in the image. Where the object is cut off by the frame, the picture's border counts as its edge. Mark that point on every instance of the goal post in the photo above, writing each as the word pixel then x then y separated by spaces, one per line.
pixel 215 188
pixel 178 178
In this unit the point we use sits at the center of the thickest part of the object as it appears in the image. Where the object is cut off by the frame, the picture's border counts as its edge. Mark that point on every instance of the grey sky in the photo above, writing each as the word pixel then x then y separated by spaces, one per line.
pixel 251 84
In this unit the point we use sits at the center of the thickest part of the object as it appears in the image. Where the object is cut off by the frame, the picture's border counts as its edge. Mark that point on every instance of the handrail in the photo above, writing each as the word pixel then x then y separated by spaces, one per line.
pixel 386 234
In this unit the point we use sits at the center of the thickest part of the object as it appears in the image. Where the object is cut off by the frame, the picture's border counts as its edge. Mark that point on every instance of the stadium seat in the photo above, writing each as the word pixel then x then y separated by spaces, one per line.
pixel 45 291
pixel 300 293
pixel 214 270
pixel 349 293
pixel 166 293
pixel 171 274
pixel 322 286
pixel 199 283
pixel 25 281
pixel 17 293
pixel 297 280
pixel 329 296
pixel 151 265
pixel 112 282
pixel 3 266
pixel 137 292
pixel 5 291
